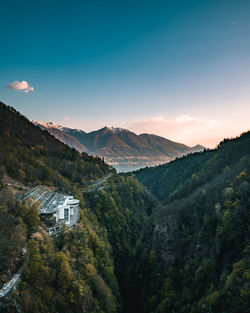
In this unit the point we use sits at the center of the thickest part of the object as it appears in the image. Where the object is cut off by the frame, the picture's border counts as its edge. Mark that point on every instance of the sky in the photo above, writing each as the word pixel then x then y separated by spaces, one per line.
pixel 179 69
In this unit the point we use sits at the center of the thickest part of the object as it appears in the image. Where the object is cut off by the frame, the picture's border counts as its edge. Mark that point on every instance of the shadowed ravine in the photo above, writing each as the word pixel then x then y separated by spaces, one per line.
pixel 173 238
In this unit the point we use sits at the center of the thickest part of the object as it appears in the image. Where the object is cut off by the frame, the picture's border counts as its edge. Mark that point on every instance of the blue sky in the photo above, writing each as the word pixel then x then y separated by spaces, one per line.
pixel 180 69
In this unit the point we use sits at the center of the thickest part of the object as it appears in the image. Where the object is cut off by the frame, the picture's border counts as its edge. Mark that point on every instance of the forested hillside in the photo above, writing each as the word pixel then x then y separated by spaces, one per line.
pixel 71 273
pixel 31 155
pixel 123 209
pixel 178 178
pixel 201 235
pixel 82 270
pixel 180 245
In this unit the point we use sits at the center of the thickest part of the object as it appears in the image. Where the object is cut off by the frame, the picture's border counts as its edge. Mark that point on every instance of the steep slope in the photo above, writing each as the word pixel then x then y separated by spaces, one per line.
pixel 191 254
pixel 123 209
pixel 125 150
pixel 178 177
pixel 62 136
pixel 74 272
pixel 70 273
pixel 32 155
pixel 199 240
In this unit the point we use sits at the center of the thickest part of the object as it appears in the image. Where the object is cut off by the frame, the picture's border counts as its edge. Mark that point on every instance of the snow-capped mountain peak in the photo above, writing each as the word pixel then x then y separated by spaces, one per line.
pixel 48 124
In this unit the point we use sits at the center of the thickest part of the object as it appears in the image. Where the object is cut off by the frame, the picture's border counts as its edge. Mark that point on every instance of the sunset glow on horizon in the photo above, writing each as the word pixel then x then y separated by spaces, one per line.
pixel 177 69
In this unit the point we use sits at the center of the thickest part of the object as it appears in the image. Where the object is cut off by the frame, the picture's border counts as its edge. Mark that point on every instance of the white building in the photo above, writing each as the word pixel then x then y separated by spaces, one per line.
pixel 57 208
pixel 65 211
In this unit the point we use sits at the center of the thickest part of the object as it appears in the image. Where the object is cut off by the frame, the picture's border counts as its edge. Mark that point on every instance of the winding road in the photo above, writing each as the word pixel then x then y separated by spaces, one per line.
pixel 7 287
pixel 97 185
pixel 13 281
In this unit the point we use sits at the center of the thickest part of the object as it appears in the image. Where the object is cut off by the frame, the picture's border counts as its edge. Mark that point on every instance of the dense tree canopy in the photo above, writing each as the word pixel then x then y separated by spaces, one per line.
pixel 33 156
pixel 182 244
pixel 201 234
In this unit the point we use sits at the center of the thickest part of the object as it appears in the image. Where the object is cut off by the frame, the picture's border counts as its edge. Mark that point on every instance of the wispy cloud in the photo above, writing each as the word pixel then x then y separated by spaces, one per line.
pixel 183 128
pixel 66 118
pixel 235 22
pixel 22 85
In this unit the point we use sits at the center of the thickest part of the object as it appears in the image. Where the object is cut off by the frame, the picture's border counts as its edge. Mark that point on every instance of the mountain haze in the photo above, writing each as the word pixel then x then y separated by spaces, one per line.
pixel 120 147
pixel 62 136
pixel 182 244
pixel 75 271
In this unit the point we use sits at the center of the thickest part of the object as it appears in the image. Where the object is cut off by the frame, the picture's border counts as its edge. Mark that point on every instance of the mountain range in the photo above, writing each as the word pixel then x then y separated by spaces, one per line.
pixel 171 238
pixel 120 147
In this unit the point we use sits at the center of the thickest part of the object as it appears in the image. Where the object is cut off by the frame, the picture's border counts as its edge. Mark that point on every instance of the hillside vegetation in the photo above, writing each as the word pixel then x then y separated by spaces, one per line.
pixel 201 237
pixel 71 273
pixel 180 245
pixel 76 271
pixel 178 178
pixel 123 209
pixel 31 155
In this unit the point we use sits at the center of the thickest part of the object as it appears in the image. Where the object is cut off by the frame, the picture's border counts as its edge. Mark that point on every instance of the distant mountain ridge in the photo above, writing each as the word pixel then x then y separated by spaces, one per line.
pixel 57 131
pixel 120 147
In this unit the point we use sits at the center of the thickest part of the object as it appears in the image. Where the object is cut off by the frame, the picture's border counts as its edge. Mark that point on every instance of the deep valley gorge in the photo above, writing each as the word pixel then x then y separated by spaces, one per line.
pixel 172 238
pixel 125 156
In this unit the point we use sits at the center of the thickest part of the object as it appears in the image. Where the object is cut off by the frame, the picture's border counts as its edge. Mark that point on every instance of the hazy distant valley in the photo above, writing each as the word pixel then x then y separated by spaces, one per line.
pixel 138 199
pixel 120 147
pixel 171 238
